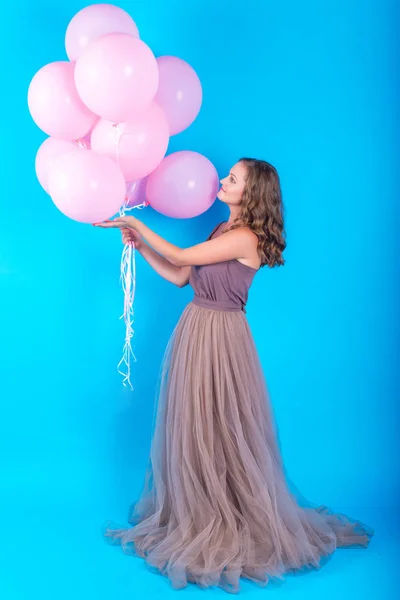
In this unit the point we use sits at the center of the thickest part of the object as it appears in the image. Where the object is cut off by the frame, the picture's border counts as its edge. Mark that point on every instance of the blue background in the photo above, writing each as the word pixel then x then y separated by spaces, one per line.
pixel 311 87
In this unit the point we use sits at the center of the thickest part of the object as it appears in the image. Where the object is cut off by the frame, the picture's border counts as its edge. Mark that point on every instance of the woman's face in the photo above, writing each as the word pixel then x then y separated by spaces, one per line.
pixel 233 185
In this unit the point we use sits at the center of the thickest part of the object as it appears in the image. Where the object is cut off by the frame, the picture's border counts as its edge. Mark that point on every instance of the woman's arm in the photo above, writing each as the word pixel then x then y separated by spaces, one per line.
pixel 235 244
pixel 177 275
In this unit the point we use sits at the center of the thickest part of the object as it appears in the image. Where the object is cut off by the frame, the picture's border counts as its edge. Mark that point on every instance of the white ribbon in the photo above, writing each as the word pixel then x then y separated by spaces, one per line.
pixel 128 281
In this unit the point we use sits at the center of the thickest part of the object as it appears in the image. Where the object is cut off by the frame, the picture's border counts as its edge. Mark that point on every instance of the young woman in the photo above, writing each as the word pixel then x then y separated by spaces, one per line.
pixel 215 505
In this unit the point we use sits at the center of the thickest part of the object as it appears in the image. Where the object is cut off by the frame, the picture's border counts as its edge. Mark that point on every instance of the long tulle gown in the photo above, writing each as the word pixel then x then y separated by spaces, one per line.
pixel 215 504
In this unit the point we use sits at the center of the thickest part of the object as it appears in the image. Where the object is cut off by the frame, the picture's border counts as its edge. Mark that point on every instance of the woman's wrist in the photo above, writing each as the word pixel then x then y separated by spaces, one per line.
pixel 134 223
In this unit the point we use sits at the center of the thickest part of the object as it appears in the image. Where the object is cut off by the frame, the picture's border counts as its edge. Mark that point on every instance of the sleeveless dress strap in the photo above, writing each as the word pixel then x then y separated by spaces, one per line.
pixel 214 230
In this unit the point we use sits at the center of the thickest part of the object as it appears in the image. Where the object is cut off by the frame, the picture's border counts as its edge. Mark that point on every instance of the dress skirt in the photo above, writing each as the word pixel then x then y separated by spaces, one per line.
pixel 215 504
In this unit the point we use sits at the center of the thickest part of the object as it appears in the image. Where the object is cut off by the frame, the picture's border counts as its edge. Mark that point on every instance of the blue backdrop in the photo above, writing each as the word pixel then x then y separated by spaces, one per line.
pixel 310 87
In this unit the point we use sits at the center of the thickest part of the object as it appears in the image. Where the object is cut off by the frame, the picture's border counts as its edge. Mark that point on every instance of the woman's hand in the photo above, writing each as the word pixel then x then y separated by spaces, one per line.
pixel 120 223
pixel 130 236
pixel 128 226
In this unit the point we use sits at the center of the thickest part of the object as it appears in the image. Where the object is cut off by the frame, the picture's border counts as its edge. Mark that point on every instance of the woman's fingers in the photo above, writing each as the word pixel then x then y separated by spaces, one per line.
pixel 128 236
pixel 105 224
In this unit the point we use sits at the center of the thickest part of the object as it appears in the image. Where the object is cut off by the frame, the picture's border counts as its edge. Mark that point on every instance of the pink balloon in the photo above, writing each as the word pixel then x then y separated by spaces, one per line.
pixel 117 76
pixel 86 187
pixel 55 105
pixel 92 22
pixel 183 186
pixel 48 152
pixel 136 192
pixel 137 146
pixel 179 92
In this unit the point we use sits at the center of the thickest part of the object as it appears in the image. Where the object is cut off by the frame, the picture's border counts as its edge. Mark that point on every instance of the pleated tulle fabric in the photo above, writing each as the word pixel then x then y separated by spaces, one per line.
pixel 216 505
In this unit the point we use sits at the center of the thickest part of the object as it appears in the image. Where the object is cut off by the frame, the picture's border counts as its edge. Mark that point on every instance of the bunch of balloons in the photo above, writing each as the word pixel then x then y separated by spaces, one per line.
pixel 110 111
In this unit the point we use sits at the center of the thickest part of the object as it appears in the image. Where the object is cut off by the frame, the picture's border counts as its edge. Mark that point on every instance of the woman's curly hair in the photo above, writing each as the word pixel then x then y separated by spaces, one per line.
pixel 262 210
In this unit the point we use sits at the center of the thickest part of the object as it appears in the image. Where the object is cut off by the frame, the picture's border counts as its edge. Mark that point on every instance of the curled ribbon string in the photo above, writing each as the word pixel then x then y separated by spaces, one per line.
pixel 128 281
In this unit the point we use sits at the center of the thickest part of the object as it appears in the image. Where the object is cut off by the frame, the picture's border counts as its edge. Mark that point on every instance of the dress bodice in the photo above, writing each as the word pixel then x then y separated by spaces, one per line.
pixel 224 285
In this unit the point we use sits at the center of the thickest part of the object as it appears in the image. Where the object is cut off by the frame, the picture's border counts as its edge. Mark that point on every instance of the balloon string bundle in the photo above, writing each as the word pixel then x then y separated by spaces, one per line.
pixel 128 281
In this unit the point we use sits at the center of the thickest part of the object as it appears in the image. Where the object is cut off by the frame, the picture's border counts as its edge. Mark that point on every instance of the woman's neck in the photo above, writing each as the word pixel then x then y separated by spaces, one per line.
pixel 234 213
